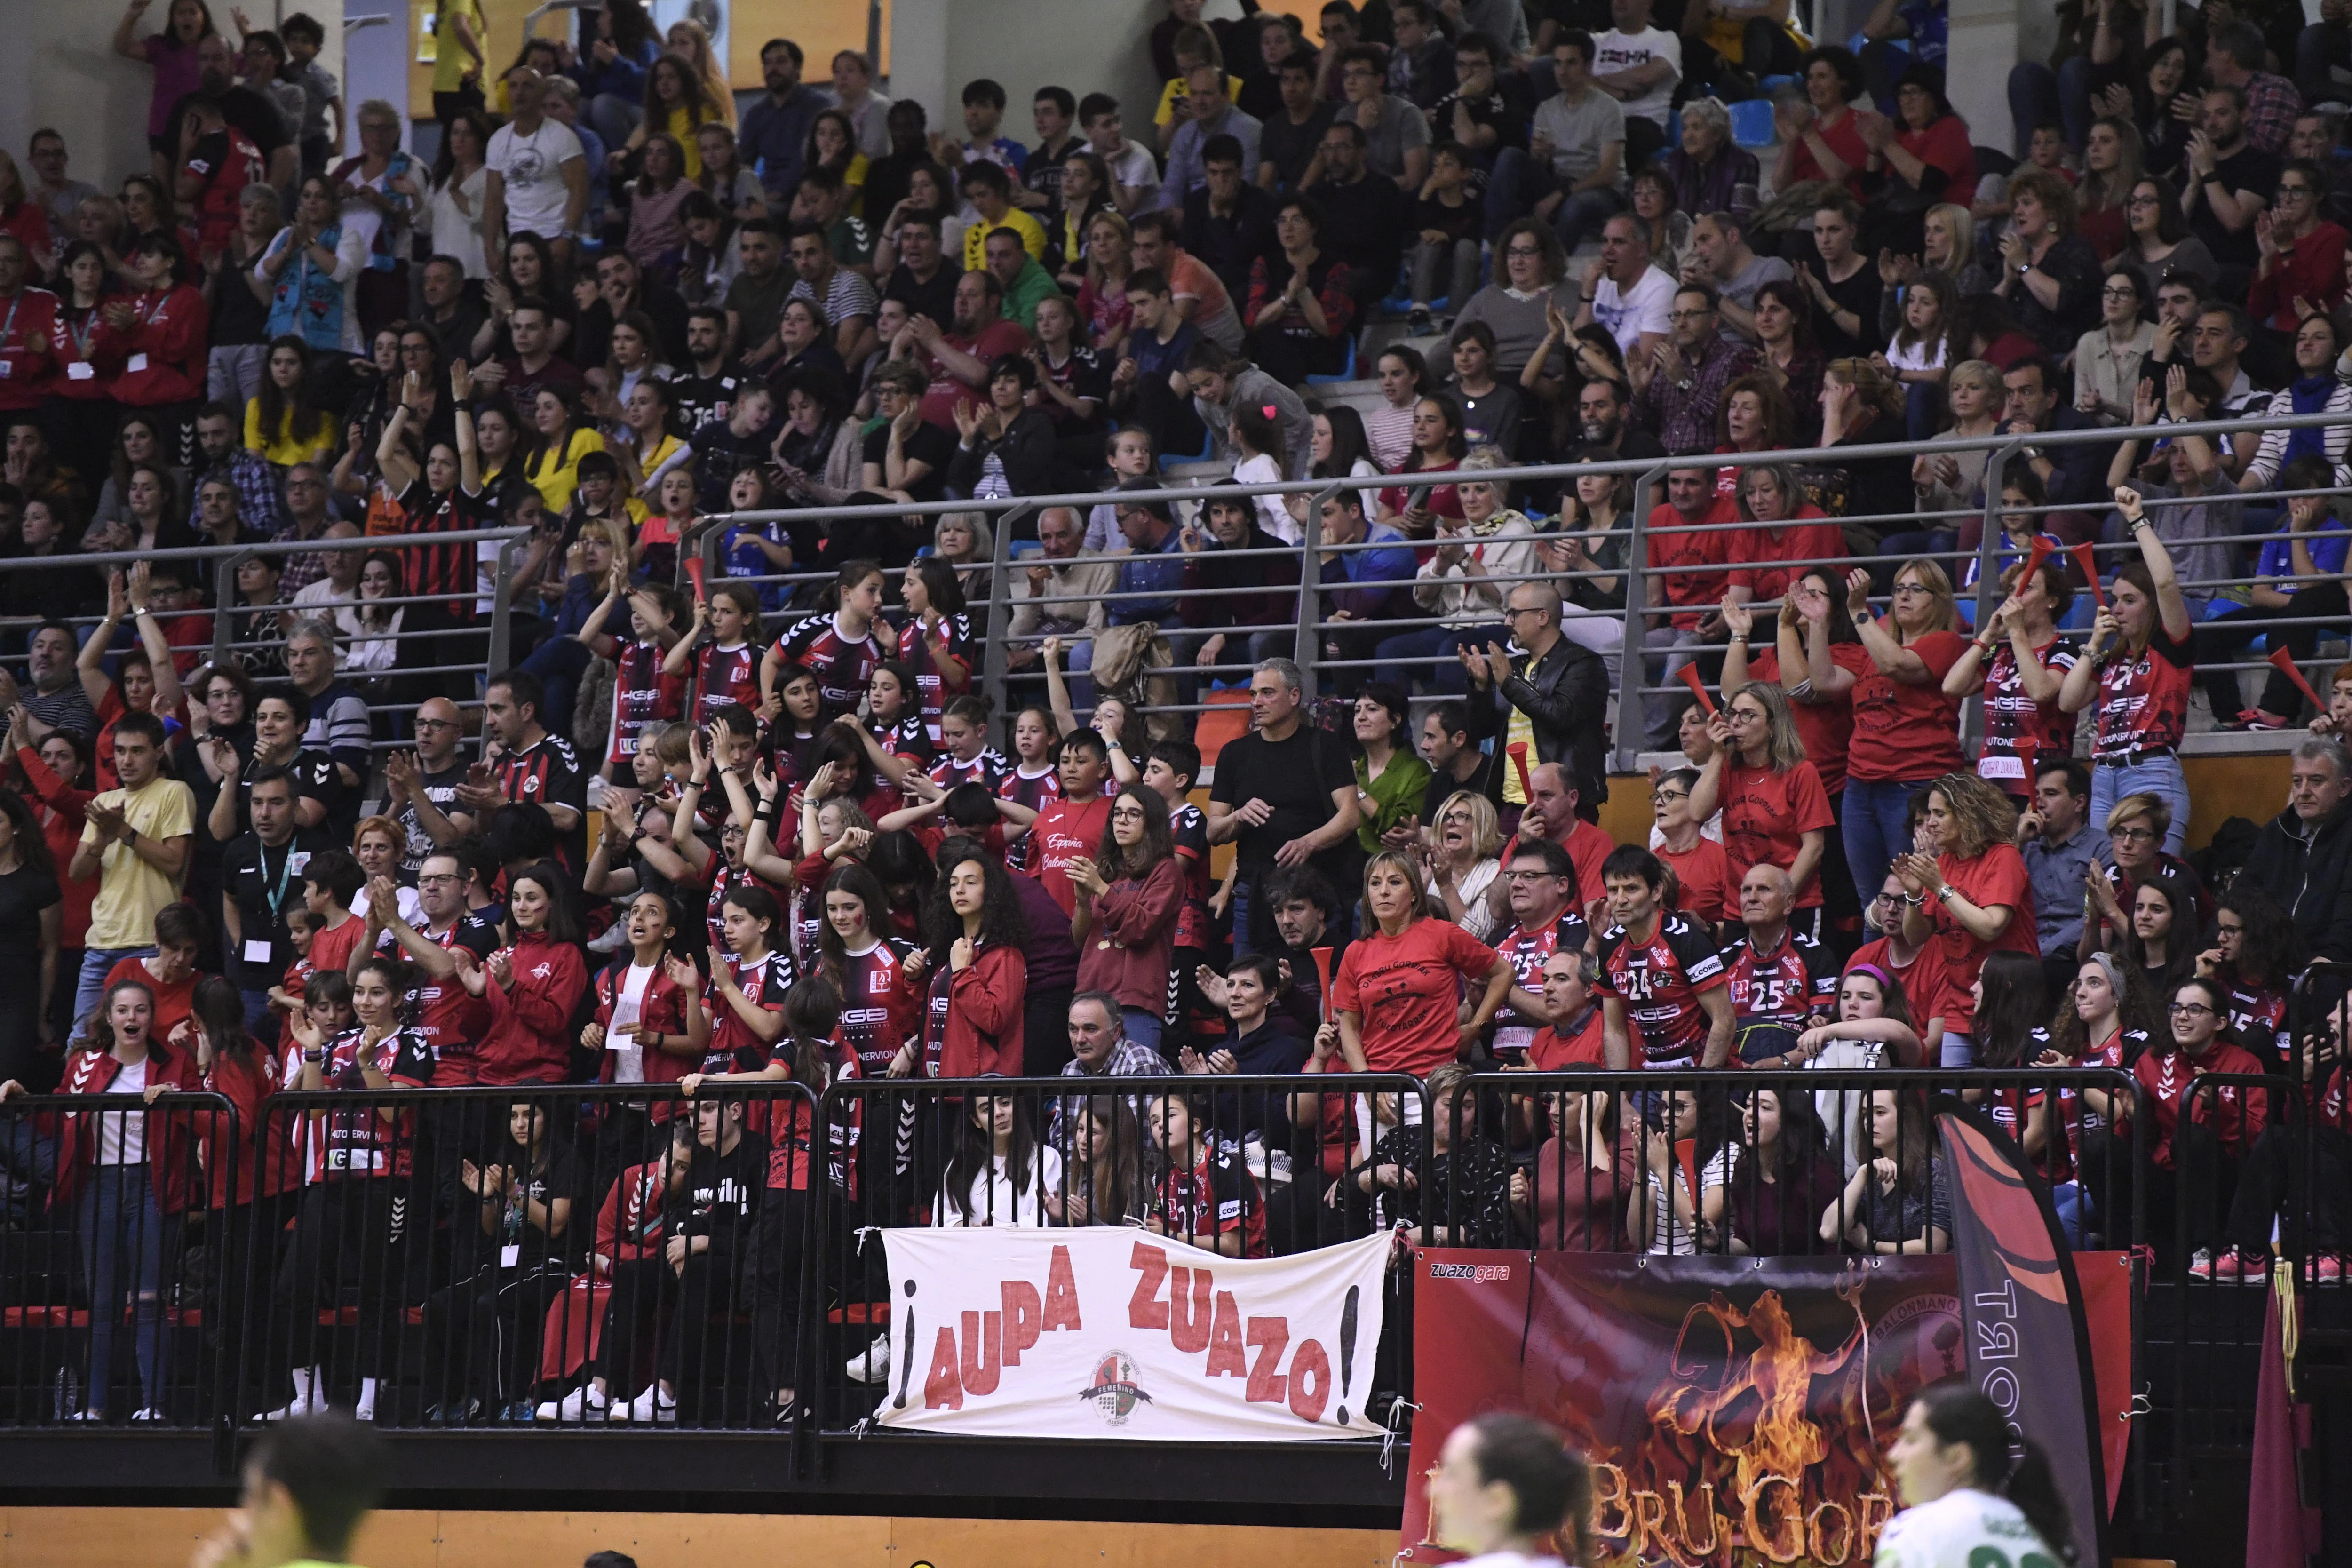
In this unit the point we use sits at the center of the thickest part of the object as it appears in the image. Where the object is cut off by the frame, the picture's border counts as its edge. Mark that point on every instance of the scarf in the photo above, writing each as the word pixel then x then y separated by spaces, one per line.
pixel 307 302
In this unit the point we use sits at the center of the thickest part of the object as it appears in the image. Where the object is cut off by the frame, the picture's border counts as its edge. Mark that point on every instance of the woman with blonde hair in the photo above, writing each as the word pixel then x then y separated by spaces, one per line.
pixel 1464 850
pixel 690 42
pixel 1946 482
pixel 1971 897
pixel 1413 965
pixel 965 541
pixel 2114 159
pixel 1102 298
pixel 1905 730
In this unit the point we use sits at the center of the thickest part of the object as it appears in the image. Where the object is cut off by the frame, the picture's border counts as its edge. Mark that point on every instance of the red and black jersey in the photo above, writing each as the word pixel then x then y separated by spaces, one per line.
pixel 1659 982
pixel 904 737
pixel 1527 950
pixel 733 1046
pixel 724 675
pixel 629 1225
pixel 450 1019
pixel 1032 790
pixel 644 695
pixel 548 771
pixel 932 688
pixel 2236 1112
pixel 437 570
pixel 791 1140
pixel 724 879
pixel 1215 1196
pixel 1797 978
pixel 880 1011
pixel 2119 1049
pixel 986 770
pixel 2010 1106
pixel 2142 700
pixel 364 1141
pixel 226 160
pixel 2330 1105
pixel 843 664
pixel 2018 729
pixel 1191 829
pixel 2259 1016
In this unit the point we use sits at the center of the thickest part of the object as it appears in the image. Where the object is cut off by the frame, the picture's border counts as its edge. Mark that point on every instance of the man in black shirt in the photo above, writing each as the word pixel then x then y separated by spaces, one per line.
pixel 707 396
pixel 242 106
pixel 1040 176
pixel 2227 186
pixel 1285 795
pixel 887 177
pixel 451 314
pixel 622 287
pixel 1228 222
pixel 530 766
pixel 1456 762
pixel 424 785
pixel 925 278
pixel 1292 138
pixel 1366 216
pixel 261 877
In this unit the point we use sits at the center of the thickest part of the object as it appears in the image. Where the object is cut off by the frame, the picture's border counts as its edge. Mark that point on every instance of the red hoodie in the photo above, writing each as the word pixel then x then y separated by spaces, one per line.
pixel 973 1026
pixel 61 827
pixel 529 1040
pixel 78 1133
pixel 248 1089
pixel 663 1011
pixel 162 352
pixel 27 320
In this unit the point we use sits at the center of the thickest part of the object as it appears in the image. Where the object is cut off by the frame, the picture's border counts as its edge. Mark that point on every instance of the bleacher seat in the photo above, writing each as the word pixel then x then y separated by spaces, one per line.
pixel 1751 123
pixel 1346 371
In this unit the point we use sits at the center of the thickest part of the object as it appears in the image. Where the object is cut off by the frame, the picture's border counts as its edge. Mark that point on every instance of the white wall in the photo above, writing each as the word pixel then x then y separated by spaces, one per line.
pixel 59 69
pixel 1086 46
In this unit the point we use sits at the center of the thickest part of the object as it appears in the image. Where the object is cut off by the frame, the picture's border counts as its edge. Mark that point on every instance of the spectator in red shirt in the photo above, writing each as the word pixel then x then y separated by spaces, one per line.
pixel 1575 1033
pixel 1972 897
pixel 2195 1137
pixel 1396 996
pixel 1785 532
pixel 1702 886
pixel 1906 731
pixel 1774 809
pixel 1129 894
pixel 1584 1177
pixel 957 359
pixel 1687 575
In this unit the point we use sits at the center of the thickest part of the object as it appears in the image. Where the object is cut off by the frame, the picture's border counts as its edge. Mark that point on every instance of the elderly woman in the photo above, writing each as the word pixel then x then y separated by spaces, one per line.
pixel 963 540
pixel 1924 152
pixel 2050 274
pixel 1710 173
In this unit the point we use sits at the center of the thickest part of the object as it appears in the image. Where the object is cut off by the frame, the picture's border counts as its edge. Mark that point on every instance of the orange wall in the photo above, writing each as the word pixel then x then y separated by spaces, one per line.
pixel 165 1537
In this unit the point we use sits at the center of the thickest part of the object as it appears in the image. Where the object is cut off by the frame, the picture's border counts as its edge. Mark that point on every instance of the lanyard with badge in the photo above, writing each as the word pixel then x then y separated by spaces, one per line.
pixel 260 949
pixel 7 327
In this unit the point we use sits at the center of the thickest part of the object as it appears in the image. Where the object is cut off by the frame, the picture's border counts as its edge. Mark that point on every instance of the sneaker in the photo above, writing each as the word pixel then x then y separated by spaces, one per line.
pixel 516 1412
pixel 2327 1269
pixel 871 1365
pixel 149 1414
pixel 96 1417
pixel 2201 1264
pixel 651 1407
pixel 453 1413
pixel 580 1404
pixel 2254 718
pixel 613 941
pixel 1420 322
pixel 300 1405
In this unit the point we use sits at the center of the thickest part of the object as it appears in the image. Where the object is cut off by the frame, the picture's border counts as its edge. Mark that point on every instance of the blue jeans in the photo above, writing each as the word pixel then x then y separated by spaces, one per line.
pixel 559 662
pixel 1923 410
pixel 90 987
pixel 1956 1050
pixel 1874 832
pixel 1243 945
pixel 2078 1215
pixel 2160 776
pixel 1141 1025
pixel 613 117
pixel 2038 96
pixel 122 1250
pixel 1503 192
pixel 1583 212
pixel 1408 656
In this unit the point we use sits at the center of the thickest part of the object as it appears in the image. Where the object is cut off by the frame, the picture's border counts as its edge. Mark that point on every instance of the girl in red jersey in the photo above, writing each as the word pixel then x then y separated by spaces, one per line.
pixel 1035 776
pixel 965 755
pixel 717 648
pixel 975 1006
pixel 879 978
pixel 2195 1137
pixel 1129 897
pixel 533 985
pixel 1906 731
pixel 2107 1021
pixel 1774 809
pixel 646 1026
pixel 350 1227
pixel 2138 666
pixel 745 991
pixel 1971 896
pixel 157 335
pixel 841 648
pixel 895 718
pixel 800 1175
pixel 646 695
pixel 2257 952
pixel 2024 725
pixel 935 643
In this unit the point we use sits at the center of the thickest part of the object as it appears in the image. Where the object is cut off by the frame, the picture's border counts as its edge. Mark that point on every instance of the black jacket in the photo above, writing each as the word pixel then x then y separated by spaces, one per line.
pixel 2312 876
pixel 1565 696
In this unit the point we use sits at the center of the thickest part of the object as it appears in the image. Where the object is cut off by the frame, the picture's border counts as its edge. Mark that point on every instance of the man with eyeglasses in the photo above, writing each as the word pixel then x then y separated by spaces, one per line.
pixel 1688 372
pixel 451 1019
pixel 1539 881
pixel 2303 855
pixel 1551 702
pixel 424 784
pixel 1366 214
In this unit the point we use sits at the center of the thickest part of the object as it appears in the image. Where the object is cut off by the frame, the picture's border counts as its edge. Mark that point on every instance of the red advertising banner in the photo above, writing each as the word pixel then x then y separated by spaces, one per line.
pixel 1736 1410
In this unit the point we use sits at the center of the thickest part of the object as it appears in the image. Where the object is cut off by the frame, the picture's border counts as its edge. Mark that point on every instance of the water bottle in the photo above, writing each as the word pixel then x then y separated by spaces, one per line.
pixel 65 1396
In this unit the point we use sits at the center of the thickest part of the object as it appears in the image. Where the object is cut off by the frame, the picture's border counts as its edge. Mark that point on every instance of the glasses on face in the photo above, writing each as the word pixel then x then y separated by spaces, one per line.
pixel 2141 202
pixel 2286 191
pixel 1887 899
pixel 1668 796
pixel 441 879
pixel 1529 251
pixel 2228 930
pixel 1515 613
pixel 2120 293
pixel 2133 834
pixel 2189 1009
pixel 1903 590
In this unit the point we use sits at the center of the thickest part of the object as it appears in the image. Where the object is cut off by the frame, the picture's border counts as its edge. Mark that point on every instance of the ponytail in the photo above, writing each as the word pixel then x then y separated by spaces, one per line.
pixel 2033 1486
pixel 1956 1411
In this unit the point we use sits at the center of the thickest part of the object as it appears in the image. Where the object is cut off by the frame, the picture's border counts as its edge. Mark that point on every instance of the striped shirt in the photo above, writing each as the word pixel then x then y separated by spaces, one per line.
pixel 437 569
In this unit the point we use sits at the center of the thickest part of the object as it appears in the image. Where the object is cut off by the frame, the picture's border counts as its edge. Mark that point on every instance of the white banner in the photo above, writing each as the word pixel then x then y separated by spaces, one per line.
pixel 1115 1333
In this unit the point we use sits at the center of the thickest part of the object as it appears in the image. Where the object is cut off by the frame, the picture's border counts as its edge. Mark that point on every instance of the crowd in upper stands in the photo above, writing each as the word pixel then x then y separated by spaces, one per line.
pixel 281 828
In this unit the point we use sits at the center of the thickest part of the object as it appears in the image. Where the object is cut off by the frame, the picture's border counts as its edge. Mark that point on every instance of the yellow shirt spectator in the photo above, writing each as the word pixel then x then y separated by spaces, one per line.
pixel 975 238
pixel 1175 89
pixel 450 60
pixel 556 474
pixel 283 447
pixel 130 892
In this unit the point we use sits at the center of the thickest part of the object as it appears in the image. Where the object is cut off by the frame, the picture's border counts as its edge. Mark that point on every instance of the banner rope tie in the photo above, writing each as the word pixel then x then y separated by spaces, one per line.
pixel 1392 1428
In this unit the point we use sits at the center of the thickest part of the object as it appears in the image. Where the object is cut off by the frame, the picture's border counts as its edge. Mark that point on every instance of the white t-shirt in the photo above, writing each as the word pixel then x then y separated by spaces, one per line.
pixel 1950 1532
pixel 412 909
pixel 1919 356
pixel 1272 515
pixel 533 168
pixel 993 1200
pixel 629 1058
pixel 1614 51
pixel 123 1134
pixel 1628 316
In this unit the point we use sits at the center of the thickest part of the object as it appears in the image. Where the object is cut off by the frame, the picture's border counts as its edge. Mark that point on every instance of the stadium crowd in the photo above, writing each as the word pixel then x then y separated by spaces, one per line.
pixel 765 828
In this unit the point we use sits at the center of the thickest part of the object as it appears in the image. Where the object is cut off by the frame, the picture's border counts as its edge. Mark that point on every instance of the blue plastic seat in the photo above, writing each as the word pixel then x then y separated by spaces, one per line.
pixel 1773 84
pixel 1346 372
pixel 1170 460
pixel 1751 123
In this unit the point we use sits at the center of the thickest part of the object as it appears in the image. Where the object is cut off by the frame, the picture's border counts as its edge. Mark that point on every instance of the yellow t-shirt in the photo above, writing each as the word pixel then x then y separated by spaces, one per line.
pixel 284 448
pixel 1175 88
pixel 555 474
pixel 975 238
pixel 682 127
pixel 449 57
pixel 130 892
